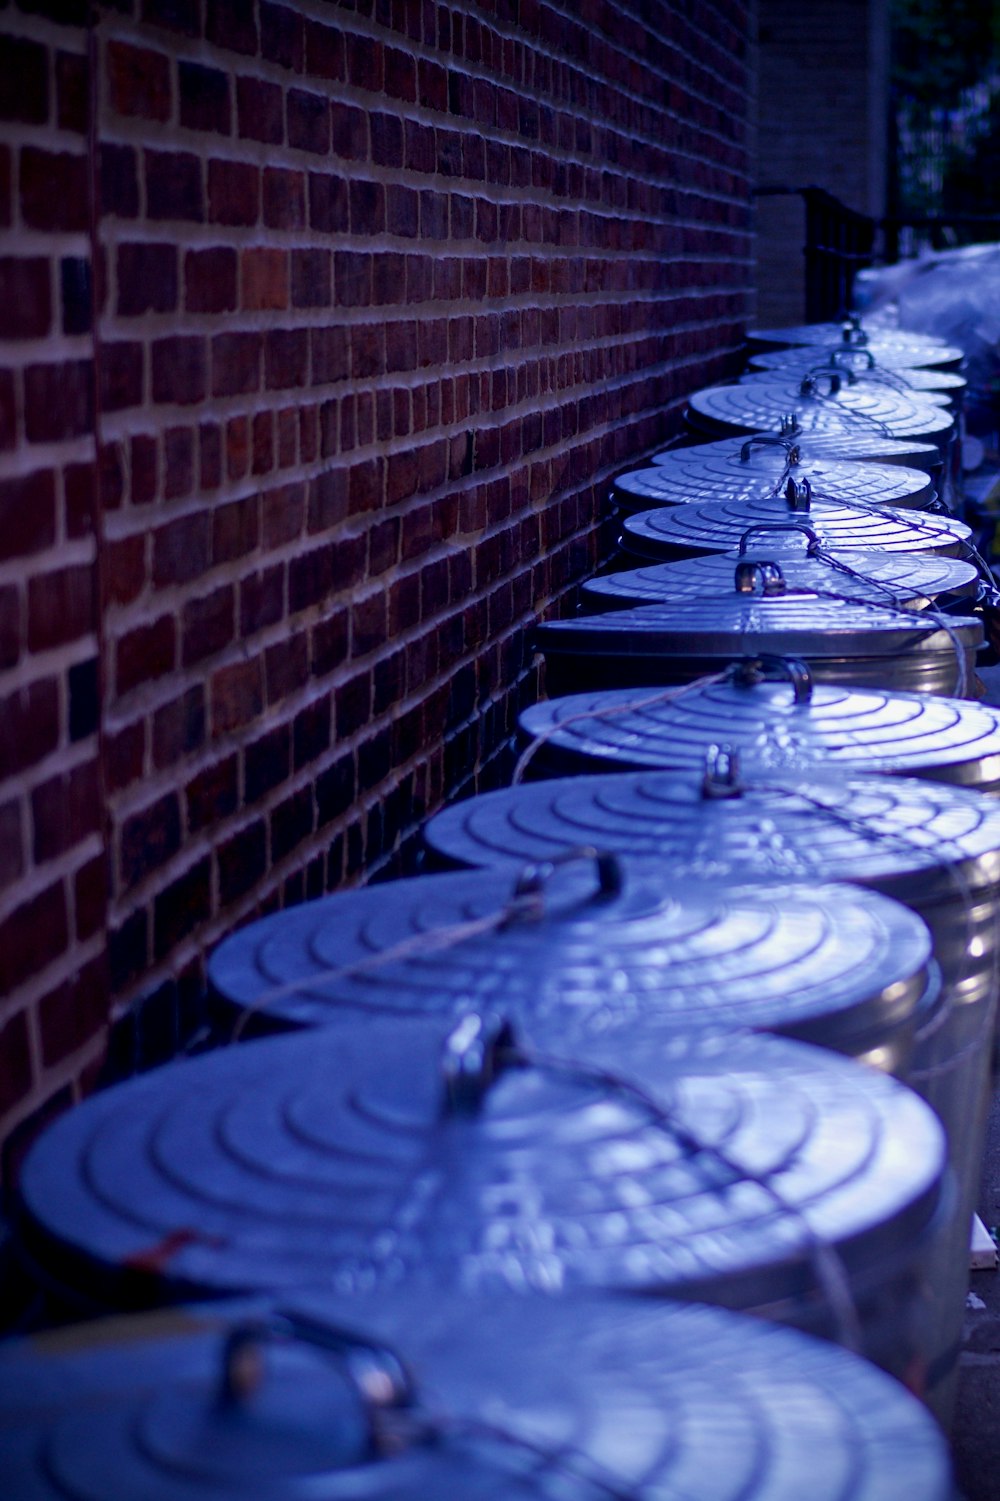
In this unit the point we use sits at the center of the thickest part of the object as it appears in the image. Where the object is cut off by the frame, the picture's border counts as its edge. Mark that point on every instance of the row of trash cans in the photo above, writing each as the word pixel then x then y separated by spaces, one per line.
pixel 694 1021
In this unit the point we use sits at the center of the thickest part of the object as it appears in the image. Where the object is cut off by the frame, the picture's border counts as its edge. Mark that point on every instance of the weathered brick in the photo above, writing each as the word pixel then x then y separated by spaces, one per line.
pixel 310 278
pixel 146 278
pixel 237 695
pixel 282 36
pixel 181 907
pixel 53 189
pixel 58 401
pixel 208 625
pixel 182 549
pixel 324 51
pixel 210 280
pixel 179 728
pixel 119 180
pixel 236 363
pixel 260 111
pixel 262 600
pixel 76 294
pixel 24 81
pixel 74 1011
pixel 308 121
pixel 266 763
pixel 26 295
pixel 178 462
pixel 27 513
pixel 286 358
pixel 264 278
pixel 241 861
pixel 329 202
pixel 284 198
pixel 138 81
pixel 64 810
pixel 204 96
pixel 233 193
pixel 213 794
pixel 174 185
pixel 146 651
pixel 60 606
pixel 32 936
pixel 72 97
pixel 83 681
pixel 291 823
pixel 179 369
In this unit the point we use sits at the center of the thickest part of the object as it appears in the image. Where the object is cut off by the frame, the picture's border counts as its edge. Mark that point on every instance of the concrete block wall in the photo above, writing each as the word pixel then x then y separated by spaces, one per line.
pixel 322 329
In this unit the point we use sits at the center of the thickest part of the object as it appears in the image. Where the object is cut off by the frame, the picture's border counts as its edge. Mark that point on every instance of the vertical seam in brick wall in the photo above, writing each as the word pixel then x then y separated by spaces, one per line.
pixel 97 498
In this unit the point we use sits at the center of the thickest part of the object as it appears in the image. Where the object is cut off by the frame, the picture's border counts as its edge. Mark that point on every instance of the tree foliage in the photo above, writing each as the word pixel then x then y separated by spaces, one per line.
pixel 941 47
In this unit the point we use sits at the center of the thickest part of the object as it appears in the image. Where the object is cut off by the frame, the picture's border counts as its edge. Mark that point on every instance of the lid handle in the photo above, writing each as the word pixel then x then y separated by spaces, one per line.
pixel 771 440
pixel 772 580
pixel 473 1057
pixel 534 877
pixel 798 494
pixel 376 1374
pixel 811 384
pixel 851 332
pixel 722 772
pixel 836 355
pixel 813 543
pixel 749 671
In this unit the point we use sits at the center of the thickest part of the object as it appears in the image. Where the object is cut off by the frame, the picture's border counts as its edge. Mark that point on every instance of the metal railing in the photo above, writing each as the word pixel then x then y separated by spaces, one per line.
pixel 839 241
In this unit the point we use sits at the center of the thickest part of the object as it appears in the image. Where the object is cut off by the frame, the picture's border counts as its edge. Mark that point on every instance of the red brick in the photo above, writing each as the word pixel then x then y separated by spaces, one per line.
pixel 174 185
pixel 179 369
pixel 90 890
pixel 204 98
pixel 181 907
pixel 213 794
pixel 284 198
pixel 324 51
pixel 264 278
pixel 60 607
pixel 308 121
pixel 123 755
pixel 235 529
pixel 11 843
pixel 260 111
pixel 262 600
pixel 329 202
pixel 210 280
pixel 286 358
pixel 387 140
pixel 147 278
pixel 310 278
pixel 58 401
pixel 330 354
pixel 25 295
pixel 236 364
pixel 32 936
pixel 233 193
pixel 6 187
pixel 237 696
pixel 16 1072
pixel 349 131
pixel 286 668
pixel 237 447
pixel 210 454
pixel 283 515
pixel 241 861
pixel 138 81
pixel 75 1012
pixel 147 651
pixel 64 811
pixel 125 569
pixel 27 513
pixel 179 728
pixel 182 549
pixel 120 372
pixel 72 96
pixel 24 81
pixel 352 279
pixel 119 181
pixel 208 625
pixel 178 462
pixel 262 443
pixel 53 189
pixel 365 63
pixel 282 38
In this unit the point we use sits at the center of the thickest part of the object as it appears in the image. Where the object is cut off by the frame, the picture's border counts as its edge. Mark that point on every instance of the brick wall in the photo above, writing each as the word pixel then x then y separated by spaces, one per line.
pixel 383 293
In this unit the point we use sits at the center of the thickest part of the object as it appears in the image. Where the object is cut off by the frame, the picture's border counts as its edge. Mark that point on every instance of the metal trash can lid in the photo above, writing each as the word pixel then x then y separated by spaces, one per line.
pixel 688 474
pixel 719 526
pixel 825 964
pixel 726 825
pixel 774 727
pixel 914 579
pixel 858 445
pixel 758 405
pixel 728 625
pixel 893 368
pixel 710 1165
pixel 884 343
pixel 456 1396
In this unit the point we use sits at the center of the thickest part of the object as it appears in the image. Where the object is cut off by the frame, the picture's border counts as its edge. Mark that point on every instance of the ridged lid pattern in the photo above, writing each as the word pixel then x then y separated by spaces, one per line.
pixel 759 406
pixel 692 474
pixel 351 1156
pixel 909 577
pixel 510 1399
pixel 826 964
